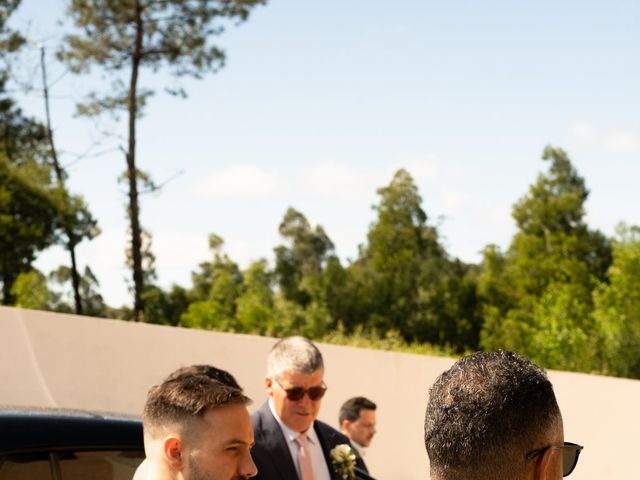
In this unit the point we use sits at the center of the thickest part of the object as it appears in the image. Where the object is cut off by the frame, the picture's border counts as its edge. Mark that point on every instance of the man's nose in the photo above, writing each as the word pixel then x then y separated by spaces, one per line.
pixel 248 468
pixel 305 400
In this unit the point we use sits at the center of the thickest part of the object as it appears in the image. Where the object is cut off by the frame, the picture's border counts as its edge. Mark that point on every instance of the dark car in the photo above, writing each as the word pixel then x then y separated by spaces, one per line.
pixel 50 444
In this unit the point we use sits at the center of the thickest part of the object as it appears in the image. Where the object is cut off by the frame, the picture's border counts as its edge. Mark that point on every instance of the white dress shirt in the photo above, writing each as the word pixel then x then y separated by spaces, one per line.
pixel 362 451
pixel 318 462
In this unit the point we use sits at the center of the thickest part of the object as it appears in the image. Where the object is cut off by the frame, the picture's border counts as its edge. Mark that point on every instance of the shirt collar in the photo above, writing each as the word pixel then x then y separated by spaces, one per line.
pixel 360 449
pixel 291 435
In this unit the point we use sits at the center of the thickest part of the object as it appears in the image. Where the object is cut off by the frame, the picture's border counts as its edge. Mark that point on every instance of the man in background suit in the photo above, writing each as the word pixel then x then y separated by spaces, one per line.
pixel 357 421
pixel 289 442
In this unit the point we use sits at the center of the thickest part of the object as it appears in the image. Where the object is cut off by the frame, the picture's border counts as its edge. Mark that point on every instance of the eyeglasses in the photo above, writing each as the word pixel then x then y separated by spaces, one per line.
pixel 296 393
pixel 570 454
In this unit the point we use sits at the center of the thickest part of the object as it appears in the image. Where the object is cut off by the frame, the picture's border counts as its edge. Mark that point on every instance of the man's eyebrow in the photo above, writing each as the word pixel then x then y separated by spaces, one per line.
pixel 233 441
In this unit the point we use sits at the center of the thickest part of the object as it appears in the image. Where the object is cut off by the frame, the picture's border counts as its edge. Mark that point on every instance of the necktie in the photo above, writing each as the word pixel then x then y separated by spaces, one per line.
pixel 304 458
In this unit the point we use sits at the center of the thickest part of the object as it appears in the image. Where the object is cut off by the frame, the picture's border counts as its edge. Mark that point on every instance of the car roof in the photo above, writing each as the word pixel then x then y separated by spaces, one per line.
pixel 37 429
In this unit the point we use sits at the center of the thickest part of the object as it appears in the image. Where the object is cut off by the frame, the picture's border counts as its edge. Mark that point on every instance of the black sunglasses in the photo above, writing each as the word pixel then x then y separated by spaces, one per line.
pixel 296 393
pixel 570 454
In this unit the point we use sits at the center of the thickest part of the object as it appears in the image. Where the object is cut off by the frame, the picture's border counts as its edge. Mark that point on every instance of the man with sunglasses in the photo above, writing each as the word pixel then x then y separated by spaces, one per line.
pixel 493 415
pixel 290 443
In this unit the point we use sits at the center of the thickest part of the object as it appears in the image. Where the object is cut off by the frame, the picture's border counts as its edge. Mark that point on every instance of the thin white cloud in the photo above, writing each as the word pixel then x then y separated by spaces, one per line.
pixel 175 250
pixel 585 135
pixel 240 181
pixel 244 251
pixel 339 182
pixel 500 218
pixel 454 200
pixel 582 132
pixel 108 249
pixel 622 141
pixel 421 168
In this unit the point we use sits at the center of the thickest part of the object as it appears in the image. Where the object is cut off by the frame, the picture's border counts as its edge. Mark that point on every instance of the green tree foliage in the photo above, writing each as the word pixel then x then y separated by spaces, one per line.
pixel 92 302
pixel 164 307
pixel 255 304
pixel 29 215
pixel 300 263
pixel 407 280
pixel 216 287
pixel 617 308
pixel 26 165
pixel 135 35
pixel 399 242
pixel 27 144
pixel 313 285
pixel 30 290
pixel 537 298
pixel 34 209
pixel 22 139
pixel 10 41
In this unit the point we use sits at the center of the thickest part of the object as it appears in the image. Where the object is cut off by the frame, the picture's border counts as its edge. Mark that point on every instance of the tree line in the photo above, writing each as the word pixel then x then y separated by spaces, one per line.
pixel 564 295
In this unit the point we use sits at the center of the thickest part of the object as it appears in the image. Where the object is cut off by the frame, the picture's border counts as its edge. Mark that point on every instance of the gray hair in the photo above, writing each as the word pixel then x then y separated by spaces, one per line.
pixel 296 354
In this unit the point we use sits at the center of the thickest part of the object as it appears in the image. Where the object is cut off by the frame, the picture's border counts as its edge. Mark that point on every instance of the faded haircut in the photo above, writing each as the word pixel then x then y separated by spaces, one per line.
pixel 350 409
pixel 485 413
pixel 207 370
pixel 182 400
pixel 295 354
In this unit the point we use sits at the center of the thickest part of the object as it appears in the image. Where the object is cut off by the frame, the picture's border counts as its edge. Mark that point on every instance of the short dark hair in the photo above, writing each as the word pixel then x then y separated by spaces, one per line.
pixel 207 370
pixel 185 398
pixel 350 409
pixel 484 412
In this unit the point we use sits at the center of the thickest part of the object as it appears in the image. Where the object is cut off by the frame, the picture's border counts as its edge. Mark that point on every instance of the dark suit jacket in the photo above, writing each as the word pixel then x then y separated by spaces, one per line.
pixel 271 453
pixel 359 459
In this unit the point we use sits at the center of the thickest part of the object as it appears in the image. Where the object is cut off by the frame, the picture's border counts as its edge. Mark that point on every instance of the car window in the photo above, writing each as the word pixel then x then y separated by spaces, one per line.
pixel 71 465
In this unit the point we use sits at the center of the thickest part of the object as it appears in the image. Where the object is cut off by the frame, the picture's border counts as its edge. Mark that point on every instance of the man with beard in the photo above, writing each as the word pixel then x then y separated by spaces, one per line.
pixel 197 428
pixel 357 420
pixel 207 370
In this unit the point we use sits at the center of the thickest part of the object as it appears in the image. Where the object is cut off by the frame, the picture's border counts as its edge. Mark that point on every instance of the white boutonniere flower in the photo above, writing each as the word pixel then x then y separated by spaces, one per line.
pixel 343 461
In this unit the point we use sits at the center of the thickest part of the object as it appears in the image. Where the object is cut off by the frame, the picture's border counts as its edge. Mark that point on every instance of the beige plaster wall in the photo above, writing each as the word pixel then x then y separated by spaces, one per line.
pixel 50 359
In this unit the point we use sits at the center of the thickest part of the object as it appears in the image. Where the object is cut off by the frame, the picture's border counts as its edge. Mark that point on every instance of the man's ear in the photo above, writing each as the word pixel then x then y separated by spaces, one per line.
pixel 269 384
pixel 172 449
pixel 345 425
pixel 545 465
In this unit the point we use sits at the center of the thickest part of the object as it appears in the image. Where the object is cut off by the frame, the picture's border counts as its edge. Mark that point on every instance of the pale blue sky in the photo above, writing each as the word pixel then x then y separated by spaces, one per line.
pixel 321 101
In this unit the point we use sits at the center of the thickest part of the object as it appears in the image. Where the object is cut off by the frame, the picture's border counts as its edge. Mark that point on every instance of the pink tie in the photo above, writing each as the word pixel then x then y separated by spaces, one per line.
pixel 304 457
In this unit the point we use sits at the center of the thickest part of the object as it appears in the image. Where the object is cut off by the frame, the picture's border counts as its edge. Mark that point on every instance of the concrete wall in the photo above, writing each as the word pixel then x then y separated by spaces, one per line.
pixel 67 361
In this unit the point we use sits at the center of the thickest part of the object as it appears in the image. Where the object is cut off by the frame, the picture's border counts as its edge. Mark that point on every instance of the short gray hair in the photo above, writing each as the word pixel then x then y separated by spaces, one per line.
pixel 296 354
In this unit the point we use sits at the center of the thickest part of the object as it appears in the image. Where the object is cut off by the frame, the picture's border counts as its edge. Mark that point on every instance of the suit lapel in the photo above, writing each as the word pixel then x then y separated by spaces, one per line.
pixel 276 444
pixel 327 441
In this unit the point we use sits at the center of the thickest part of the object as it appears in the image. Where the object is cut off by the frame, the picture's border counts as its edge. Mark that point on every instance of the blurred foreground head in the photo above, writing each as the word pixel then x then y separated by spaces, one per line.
pixel 493 415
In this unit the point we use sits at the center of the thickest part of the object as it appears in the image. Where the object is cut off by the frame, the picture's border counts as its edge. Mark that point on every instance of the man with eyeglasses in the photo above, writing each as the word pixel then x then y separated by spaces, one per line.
pixel 289 442
pixel 493 415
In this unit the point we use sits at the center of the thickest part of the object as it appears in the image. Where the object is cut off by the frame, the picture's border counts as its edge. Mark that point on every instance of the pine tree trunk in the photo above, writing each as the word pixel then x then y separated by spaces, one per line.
pixel 75 278
pixel 134 209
